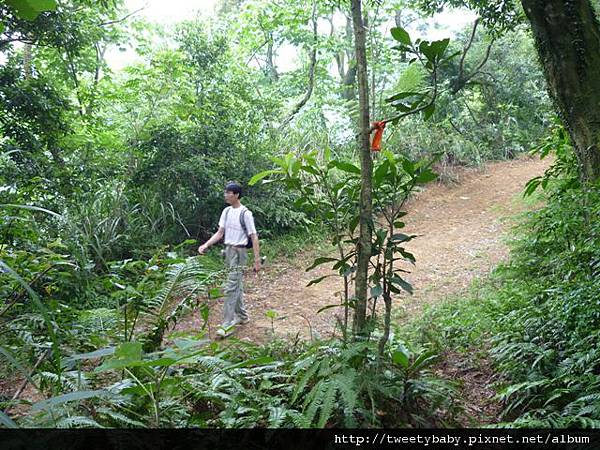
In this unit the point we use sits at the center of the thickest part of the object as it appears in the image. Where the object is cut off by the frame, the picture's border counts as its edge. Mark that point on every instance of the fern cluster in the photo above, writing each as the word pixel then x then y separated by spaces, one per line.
pixel 539 315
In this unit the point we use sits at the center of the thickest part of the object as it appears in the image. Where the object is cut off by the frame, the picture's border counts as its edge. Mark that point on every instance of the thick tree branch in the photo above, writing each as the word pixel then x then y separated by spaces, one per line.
pixel 462 79
pixel 311 71
pixel 123 19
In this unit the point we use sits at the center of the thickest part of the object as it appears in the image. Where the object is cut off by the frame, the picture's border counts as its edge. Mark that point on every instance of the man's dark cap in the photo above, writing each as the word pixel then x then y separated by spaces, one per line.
pixel 234 187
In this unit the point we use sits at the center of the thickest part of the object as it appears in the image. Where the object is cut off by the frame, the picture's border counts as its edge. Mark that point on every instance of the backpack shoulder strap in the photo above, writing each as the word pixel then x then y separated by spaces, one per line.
pixel 243 221
pixel 225 222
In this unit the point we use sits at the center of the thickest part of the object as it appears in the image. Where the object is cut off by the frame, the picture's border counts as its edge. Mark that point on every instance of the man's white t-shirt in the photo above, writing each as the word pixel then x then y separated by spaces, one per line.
pixel 234 233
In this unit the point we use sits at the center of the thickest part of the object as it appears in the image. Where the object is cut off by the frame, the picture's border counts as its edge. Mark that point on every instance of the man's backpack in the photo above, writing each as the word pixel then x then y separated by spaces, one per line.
pixel 242 224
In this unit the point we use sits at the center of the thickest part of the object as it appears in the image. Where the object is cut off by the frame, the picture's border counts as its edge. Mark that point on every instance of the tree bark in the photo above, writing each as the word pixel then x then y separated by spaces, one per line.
pixel 271 69
pixel 366 164
pixel 567 37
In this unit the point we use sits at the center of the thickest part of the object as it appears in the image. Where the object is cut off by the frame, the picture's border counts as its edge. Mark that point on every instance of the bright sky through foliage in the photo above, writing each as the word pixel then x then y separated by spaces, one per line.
pixel 170 12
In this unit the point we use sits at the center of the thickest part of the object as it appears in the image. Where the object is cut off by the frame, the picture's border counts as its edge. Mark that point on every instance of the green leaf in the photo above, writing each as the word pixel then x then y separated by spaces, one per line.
pixel 403 284
pixel 317 280
pixel 70 397
pixel 310 170
pixel 325 308
pixel 90 355
pixel 428 111
pixel 30 208
pixel 439 47
pixel 259 176
pixel 346 167
pixel 353 223
pixel 426 176
pixel 319 261
pixel 423 360
pixel 531 186
pixel 215 292
pixel 380 172
pixel 7 421
pixel 30 9
pixel 408 166
pixel 127 354
pixel 376 291
pixel 400 237
pixel 401 35
pixel 401 356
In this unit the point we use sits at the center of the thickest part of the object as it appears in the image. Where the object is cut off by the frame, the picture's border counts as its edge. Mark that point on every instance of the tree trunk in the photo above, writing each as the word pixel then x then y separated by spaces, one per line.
pixel 366 164
pixel 271 69
pixel 567 37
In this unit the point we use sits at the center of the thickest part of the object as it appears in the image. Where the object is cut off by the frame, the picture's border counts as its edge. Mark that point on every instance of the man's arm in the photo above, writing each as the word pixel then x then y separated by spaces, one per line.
pixel 256 249
pixel 213 240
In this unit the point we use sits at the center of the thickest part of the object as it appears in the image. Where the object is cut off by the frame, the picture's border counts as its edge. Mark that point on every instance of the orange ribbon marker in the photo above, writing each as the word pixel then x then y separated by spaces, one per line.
pixel 378 127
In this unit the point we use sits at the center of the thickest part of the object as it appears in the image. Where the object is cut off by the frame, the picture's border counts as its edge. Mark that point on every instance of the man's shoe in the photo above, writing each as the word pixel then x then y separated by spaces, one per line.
pixel 223 332
pixel 238 320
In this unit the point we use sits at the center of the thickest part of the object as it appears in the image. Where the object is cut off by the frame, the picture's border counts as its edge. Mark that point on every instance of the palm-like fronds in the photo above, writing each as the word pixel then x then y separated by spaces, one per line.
pixel 185 281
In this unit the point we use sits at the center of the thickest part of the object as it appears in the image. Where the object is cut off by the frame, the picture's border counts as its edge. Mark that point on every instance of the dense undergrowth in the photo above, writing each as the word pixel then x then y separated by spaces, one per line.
pixel 538 316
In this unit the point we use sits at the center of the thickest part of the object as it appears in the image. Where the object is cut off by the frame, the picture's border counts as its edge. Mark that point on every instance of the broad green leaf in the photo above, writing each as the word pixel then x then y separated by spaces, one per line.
pixel 310 170
pixel 426 176
pixel 259 176
pixel 317 280
pixel 346 167
pixel 353 223
pixel 401 356
pixel 402 283
pixel 423 360
pixel 127 354
pixel 215 292
pixel 401 35
pixel 319 261
pixel 380 172
pixel 326 307
pixel 7 421
pixel 90 355
pixel 376 291
pixel 23 9
pixel 428 112
pixel 30 9
pixel 401 237
pixel 70 397
pixel 408 166
pixel 439 47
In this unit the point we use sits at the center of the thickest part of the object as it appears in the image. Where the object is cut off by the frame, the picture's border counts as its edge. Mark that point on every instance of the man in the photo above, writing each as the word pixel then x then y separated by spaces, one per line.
pixel 236 225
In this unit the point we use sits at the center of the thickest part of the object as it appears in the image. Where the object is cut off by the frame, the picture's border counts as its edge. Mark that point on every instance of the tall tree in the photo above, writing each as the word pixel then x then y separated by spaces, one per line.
pixel 366 165
pixel 567 35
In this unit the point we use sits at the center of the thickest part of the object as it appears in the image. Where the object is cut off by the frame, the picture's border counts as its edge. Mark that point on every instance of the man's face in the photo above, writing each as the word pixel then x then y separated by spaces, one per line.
pixel 230 197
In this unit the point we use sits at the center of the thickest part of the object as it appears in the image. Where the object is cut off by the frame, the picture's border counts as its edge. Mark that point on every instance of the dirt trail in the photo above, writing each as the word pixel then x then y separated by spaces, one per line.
pixel 460 229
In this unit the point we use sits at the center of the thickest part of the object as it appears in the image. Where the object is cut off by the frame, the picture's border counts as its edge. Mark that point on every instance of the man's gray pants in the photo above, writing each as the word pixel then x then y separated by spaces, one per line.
pixel 235 261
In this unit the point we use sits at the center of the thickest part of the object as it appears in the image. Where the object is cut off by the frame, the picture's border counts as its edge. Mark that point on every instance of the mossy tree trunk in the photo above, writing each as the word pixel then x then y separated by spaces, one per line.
pixel 567 36
pixel 366 165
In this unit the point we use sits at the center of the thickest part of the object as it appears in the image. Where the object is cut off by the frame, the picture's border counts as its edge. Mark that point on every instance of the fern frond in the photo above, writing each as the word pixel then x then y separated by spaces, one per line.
pixel 78 422
pixel 327 403
pixel 119 418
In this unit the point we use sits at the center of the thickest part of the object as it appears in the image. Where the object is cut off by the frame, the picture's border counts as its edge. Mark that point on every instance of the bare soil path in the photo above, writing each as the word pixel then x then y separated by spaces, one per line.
pixel 461 229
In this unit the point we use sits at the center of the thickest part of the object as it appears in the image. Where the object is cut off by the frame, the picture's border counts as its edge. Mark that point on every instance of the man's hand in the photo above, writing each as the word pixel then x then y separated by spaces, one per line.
pixel 202 249
pixel 257 265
